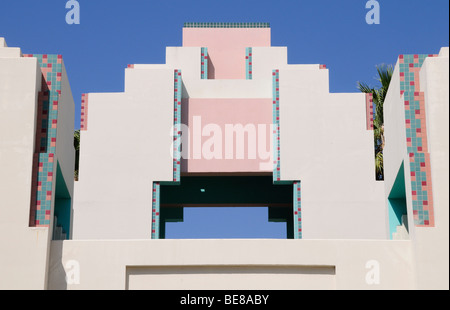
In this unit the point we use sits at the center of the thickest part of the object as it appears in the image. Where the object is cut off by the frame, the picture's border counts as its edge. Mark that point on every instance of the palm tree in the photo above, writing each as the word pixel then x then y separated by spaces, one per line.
pixel 384 77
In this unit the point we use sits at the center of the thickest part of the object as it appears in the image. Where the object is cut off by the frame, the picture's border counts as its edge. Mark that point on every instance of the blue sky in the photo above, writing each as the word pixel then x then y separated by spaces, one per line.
pixel 113 34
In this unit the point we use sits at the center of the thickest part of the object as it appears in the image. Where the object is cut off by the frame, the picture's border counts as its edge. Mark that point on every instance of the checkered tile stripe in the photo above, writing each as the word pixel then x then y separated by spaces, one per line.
pixel 176 154
pixel 416 139
pixel 84 112
pixel 297 210
pixel 177 126
pixel 276 124
pixel 204 63
pixel 155 210
pixel 44 163
pixel 249 63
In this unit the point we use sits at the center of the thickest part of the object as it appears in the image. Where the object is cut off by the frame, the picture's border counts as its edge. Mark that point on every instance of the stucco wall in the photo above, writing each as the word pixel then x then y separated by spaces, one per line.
pixel 310 264
pixel 126 148
pixel 430 244
pixel 24 249
pixel 65 151
pixel 325 144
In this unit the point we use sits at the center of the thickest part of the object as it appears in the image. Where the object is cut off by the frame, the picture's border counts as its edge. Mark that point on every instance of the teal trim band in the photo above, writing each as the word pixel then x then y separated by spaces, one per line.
pixel 276 124
pixel 249 63
pixel 297 206
pixel 284 182
pixel 226 25
pixel 155 210
pixel 178 89
pixel 204 63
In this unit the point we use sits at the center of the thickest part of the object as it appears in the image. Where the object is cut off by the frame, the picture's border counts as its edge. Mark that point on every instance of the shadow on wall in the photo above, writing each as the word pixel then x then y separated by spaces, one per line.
pixel 397 203
pixel 63 208
pixel 211 70
pixel 57 273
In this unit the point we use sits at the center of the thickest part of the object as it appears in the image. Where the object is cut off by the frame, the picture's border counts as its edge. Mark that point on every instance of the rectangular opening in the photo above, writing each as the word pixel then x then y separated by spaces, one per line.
pixel 262 277
pixel 226 223
pixel 226 207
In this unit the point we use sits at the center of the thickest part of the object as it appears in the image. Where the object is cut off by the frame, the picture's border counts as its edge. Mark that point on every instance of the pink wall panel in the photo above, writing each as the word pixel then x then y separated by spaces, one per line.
pixel 213 147
pixel 226 47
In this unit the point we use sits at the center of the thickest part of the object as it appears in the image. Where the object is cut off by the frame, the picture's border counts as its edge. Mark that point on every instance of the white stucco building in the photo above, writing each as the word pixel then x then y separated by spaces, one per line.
pixel 36 162
pixel 226 121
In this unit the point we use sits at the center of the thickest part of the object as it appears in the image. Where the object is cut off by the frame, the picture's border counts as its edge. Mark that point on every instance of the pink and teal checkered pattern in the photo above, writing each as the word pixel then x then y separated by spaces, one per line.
pixel 249 63
pixel 276 124
pixel 297 210
pixel 416 139
pixel 178 83
pixel 204 63
pixel 177 126
pixel 155 210
pixel 46 129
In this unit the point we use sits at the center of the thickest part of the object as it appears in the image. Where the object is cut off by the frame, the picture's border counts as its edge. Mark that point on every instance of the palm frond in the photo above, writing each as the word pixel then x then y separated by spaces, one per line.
pixel 76 139
pixel 76 144
pixel 385 73
pixel 379 166
pixel 384 77
pixel 364 88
